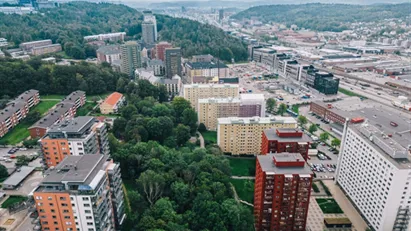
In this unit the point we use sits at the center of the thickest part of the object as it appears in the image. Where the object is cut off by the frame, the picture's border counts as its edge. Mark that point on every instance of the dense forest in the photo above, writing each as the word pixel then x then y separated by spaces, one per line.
pixel 325 17
pixel 69 23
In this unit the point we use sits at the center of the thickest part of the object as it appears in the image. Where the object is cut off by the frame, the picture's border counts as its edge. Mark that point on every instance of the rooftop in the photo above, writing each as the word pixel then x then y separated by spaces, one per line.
pixel 49 45
pixel 53 115
pixel 33 42
pixel 252 97
pixel 211 85
pixel 257 120
pixel 219 100
pixel 206 65
pixel 268 166
pixel 109 50
pixel 73 125
pixel 17 177
pixel 271 134
pixel 113 98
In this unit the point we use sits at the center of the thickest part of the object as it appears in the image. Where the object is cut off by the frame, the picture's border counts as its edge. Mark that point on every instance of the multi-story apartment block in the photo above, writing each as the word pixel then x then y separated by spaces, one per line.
pixel 67 108
pixel 112 37
pixel 17 110
pixel 285 140
pixel 247 105
pixel 108 54
pixel 374 168
pixel 81 193
pixel 41 50
pixel 281 192
pixel 202 58
pixel 73 137
pixel 160 50
pixel 158 67
pixel 112 103
pixel 194 92
pixel 130 57
pixel 28 46
pixel 173 62
pixel 172 85
pixel 3 42
pixel 243 136
pixel 149 17
pixel 148 33
pixel 206 69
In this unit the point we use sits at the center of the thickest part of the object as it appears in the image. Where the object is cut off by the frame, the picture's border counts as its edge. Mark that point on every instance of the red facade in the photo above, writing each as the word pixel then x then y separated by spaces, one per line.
pixel 286 141
pixel 327 113
pixel 281 200
pixel 160 50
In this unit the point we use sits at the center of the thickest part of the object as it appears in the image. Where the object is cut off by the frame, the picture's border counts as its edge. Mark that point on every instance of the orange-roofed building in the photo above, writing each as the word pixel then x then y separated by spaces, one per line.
pixel 112 103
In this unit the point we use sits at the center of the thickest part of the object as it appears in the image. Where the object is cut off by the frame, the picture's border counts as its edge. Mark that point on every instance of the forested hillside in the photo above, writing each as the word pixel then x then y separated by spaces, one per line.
pixel 72 21
pixel 325 17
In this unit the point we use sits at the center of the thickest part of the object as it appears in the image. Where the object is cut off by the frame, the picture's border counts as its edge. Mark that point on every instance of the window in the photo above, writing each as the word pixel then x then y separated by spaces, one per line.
pixel 89 223
pixel 89 217
pixel 54 217
pixel 62 198
pixel 49 198
pixel 87 211
pixel 53 211
pixel 85 198
pixel 66 217
pixel 86 205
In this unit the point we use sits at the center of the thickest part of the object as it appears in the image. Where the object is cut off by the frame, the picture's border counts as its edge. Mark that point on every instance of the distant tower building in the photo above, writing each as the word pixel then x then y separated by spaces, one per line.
pixel 221 15
pixel 149 17
pixel 130 57
pixel 160 50
pixel 148 32
pixel 173 62
pixel 282 192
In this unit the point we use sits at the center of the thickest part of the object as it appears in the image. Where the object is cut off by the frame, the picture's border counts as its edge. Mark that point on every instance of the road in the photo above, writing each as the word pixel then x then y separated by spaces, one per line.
pixel 202 145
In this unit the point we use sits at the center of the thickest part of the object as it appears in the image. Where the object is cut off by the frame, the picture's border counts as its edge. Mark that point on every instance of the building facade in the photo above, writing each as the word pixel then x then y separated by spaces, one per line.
pixel 282 192
pixel 112 37
pixel 243 136
pixel 194 92
pixel 321 81
pixel 81 193
pixel 130 57
pixel 206 69
pixel 148 32
pixel 160 50
pixel 173 62
pixel 30 45
pixel 149 17
pixel 108 54
pixel 285 140
pixel 41 50
pixel 112 103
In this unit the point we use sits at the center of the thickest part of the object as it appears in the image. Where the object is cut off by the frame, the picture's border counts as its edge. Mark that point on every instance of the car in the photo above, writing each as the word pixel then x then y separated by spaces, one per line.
pixel 318 125
pixel 12 151
pixel 23 149
pixel 7 160
pixel 13 157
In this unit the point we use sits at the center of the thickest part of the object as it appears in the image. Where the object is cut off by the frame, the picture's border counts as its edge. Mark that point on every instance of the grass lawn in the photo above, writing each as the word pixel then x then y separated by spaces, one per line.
pixel 56 97
pixel 350 93
pixel 328 205
pixel 295 108
pixel 44 106
pixel 242 167
pixel 244 189
pixel 102 96
pixel 86 108
pixel 210 136
pixel 12 200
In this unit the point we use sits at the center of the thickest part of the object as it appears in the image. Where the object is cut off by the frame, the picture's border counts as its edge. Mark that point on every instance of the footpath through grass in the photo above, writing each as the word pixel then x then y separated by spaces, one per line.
pixel 242 166
pixel 328 205
pixel 12 200
pixel 244 189
pixel 209 136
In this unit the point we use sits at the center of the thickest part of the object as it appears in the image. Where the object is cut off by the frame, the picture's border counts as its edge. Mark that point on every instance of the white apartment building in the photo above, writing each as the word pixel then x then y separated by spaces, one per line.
pixel 374 168
pixel 194 92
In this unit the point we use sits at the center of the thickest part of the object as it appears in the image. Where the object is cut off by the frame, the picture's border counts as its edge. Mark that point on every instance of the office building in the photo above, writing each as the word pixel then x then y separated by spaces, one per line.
pixel 323 82
pixel 220 14
pixel 81 193
pixel 263 55
pixel 158 67
pixel 281 192
pixel 213 68
pixel 247 105
pixel 160 50
pixel 73 137
pixel 149 17
pixel 130 57
pixel 148 33
pixel 374 168
pixel 17 109
pixel 243 136
pixel 112 37
pixel 108 54
pixel 66 108
pixel 194 92
pixel 112 103
pixel 47 49
pixel 28 46
pixel 285 140
pixel 173 62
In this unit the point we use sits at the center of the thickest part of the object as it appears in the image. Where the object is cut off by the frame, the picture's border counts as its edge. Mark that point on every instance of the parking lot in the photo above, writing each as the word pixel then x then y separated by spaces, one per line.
pixel 327 164
pixel 9 160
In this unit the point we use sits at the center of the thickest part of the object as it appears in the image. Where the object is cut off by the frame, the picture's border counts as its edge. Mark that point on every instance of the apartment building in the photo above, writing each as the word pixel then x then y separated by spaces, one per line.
pixel 67 108
pixel 81 193
pixel 374 168
pixel 206 69
pixel 247 105
pixel 150 17
pixel 112 37
pixel 173 62
pixel 3 42
pixel 194 92
pixel 108 54
pixel 74 137
pixel 160 50
pixel 148 32
pixel 285 140
pixel 281 192
pixel 28 46
pixel 202 58
pixel 130 57
pixel 17 110
pixel 112 103
pixel 243 136
pixel 52 48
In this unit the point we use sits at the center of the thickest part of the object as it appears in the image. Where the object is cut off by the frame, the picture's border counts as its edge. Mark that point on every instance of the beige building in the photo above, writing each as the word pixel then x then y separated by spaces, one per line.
pixel 194 92
pixel 242 136
pixel 112 103
pixel 209 110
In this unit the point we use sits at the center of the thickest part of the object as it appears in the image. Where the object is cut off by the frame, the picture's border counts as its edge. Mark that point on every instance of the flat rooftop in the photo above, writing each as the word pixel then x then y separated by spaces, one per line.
pixel 73 125
pixel 211 85
pixel 18 176
pixel 252 97
pixel 268 166
pixel 220 100
pixel 257 120
pixel 271 134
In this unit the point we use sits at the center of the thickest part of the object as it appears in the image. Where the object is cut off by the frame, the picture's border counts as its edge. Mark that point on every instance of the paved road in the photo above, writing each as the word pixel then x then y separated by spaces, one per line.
pixel 244 177
pixel 202 145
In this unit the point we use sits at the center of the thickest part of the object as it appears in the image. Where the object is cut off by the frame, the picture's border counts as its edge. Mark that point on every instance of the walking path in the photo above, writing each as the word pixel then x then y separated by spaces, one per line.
pixel 201 140
pixel 244 177
pixel 238 199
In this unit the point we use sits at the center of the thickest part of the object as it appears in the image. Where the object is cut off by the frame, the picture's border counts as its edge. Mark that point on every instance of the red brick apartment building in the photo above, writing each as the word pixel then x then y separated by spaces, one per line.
pixel 282 192
pixel 285 140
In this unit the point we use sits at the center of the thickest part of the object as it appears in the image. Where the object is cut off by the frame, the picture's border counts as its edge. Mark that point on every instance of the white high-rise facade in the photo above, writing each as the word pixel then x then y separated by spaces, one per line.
pixel 149 17
pixel 374 168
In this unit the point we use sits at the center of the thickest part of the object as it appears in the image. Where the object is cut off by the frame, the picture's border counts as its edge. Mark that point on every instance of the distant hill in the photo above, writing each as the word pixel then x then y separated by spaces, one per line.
pixel 325 17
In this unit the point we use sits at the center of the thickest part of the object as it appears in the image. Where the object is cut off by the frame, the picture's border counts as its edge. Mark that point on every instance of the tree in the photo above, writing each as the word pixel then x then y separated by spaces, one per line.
pixel 152 184
pixel 162 94
pixel 182 134
pixel 190 119
pixel 313 128
pixel 324 136
pixel 302 120
pixel 32 117
pixel 128 111
pixel 22 160
pixel 119 126
pixel 30 143
pixel 3 172
pixel 335 142
pixel 202 127
pixel 282 109
pixel 179 105
pixel 271 104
